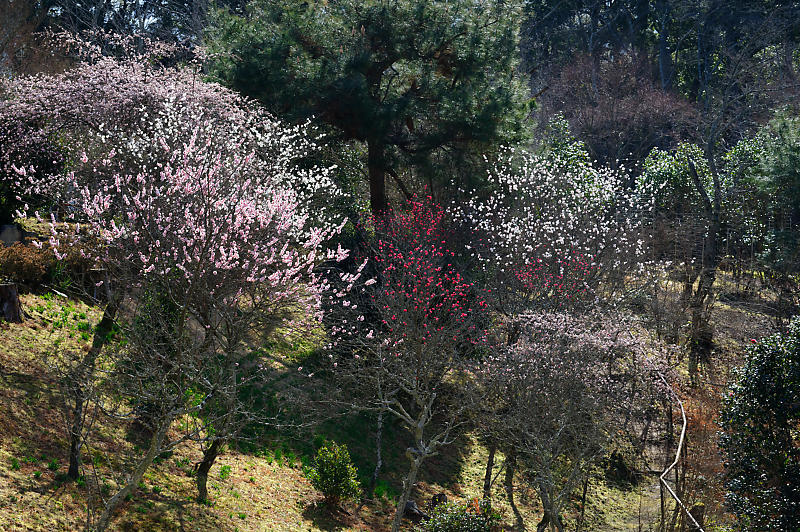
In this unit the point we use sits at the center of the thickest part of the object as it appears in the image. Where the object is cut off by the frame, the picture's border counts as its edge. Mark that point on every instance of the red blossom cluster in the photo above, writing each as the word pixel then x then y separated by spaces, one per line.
pixel 422 292
pixel 567 278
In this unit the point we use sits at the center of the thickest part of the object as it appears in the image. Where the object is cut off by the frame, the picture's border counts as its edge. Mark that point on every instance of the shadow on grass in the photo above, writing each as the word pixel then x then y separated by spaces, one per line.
pixel 170 514
pixel 357 432
pixel 326 518
pixel 292 396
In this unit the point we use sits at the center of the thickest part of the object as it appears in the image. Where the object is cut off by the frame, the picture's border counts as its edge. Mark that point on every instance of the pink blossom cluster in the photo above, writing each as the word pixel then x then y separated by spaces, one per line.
pixel 52 125
pixel 165 178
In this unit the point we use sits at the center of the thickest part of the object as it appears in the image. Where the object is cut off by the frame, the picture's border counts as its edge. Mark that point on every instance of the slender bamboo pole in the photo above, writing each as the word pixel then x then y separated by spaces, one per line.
pixel 677 458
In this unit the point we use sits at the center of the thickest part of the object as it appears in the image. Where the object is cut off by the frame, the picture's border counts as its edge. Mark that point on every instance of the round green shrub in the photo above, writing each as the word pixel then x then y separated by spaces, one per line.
pixel 334 474
pixel 760 419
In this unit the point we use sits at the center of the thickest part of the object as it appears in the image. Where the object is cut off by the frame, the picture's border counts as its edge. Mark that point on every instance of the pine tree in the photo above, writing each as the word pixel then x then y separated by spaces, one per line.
pixel 421 83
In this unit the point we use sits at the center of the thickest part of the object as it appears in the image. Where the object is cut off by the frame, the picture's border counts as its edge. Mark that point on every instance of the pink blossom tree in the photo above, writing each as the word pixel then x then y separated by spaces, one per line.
pixel 225 246
pixel 190 199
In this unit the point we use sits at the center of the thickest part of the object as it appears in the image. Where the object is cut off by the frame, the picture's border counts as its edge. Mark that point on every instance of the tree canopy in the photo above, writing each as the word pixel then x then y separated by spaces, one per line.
pixel 423 82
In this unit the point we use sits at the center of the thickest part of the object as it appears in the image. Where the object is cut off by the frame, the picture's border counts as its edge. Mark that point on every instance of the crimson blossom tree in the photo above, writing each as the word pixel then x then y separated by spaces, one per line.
pixel 196 211
pixel 414 337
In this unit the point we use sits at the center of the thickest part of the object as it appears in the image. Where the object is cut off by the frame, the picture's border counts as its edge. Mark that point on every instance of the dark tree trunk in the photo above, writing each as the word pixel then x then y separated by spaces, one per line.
pixel 549 521
pixel 76 434
pixel 376 165
pixel 701 338
pixel 664 54
pixel 373 481
pixel 583 503
pixel 511 467
pixel 640 26
pixel 10 309
pixel 551 518
pixel 487 478
pixel 204 467
pixel 544 523
pixel 698 512
pixel 80 378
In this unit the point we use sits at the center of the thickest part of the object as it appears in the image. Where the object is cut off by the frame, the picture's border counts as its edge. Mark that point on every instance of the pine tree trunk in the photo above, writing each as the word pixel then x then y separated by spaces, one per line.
pixel 377 178
pixel 10 309
pixel 664 55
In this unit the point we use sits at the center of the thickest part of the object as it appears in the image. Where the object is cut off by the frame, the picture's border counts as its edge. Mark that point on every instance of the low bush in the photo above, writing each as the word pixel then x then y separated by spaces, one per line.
pixel 334 474
pixel 476 516
pixel 26 264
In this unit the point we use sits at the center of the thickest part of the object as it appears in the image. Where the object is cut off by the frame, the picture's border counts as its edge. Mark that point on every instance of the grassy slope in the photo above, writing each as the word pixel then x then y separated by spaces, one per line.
pixel 265 491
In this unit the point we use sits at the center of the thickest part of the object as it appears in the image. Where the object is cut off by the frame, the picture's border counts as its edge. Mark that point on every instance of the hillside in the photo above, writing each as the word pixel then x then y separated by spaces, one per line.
pixel 264 489
pixel 400 265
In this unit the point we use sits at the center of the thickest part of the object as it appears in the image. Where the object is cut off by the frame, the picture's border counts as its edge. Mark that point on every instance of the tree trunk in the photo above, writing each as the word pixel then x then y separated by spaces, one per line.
pixel 550 521
pixel 544 523
pixel 583 503
pixel 551 518
pixel 408 485
pixel 76 433
pixel 133 481
pixel 511 467
pixel 640 35
pixel 80 379
pixel 10 309
pixel 204 467
pixel 664 55
pixel 376 166
pixel 701 338
pixel 378 459
pixel 487 478
pixel 697 511
pixel 700 335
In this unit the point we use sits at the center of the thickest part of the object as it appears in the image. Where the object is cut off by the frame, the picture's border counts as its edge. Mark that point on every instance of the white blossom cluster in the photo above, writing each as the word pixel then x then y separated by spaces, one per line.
pixel 552 214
